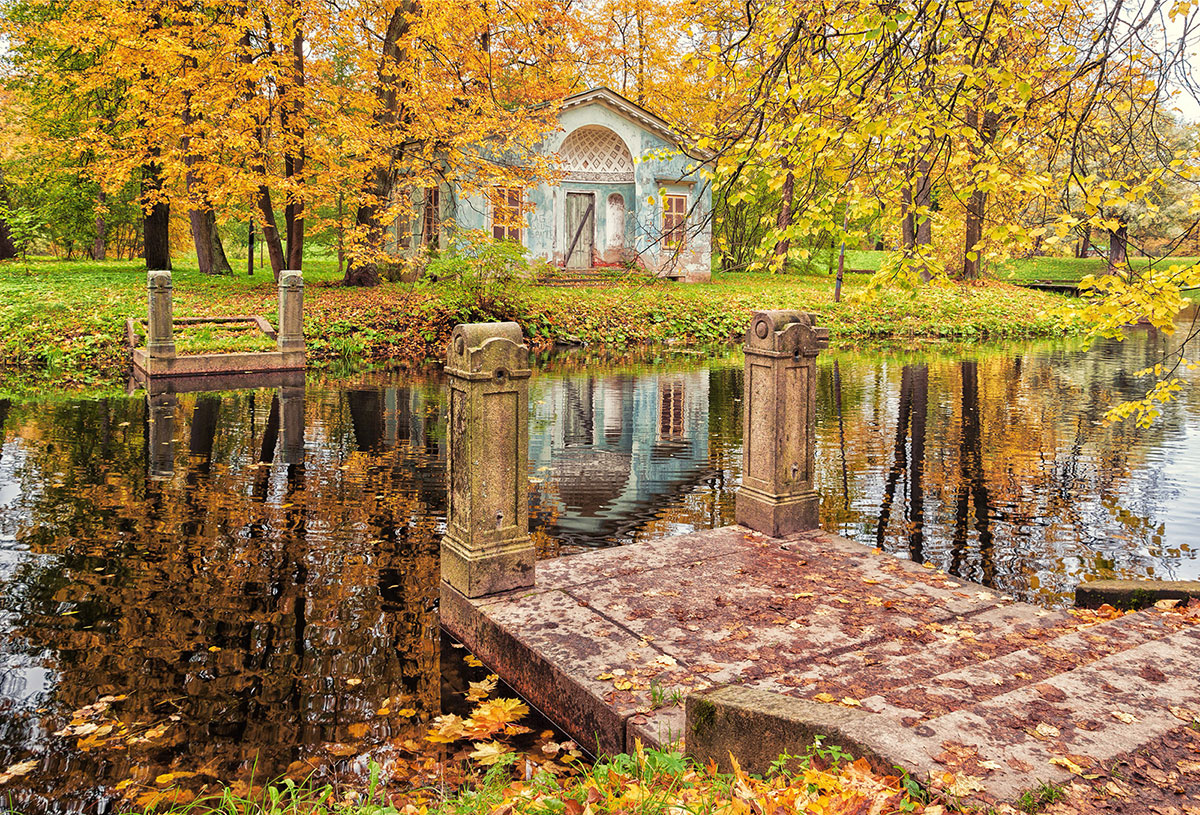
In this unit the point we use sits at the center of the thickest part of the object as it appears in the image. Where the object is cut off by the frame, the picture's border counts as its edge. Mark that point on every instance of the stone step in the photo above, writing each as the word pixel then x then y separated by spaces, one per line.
pixel 975 656
pixel 600 277
pixel 1065 726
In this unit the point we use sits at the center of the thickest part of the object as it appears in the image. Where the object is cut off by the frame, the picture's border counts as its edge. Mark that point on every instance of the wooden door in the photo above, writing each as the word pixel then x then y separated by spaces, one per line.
pixel 581 229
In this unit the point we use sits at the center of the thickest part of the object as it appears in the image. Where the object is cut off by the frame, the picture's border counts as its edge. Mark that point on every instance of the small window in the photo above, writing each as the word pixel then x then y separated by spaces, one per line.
pixel 674 220
pixel 507 218
pixel 431 221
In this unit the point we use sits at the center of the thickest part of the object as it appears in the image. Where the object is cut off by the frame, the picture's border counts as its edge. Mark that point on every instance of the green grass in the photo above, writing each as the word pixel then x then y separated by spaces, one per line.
pixel 1052 269
pixel 64 321
pixel 1035 800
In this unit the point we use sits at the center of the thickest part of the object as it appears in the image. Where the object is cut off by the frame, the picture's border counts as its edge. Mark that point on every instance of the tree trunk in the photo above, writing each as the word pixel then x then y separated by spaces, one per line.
pixel 156 207
pixel 8 249
pixel 1083 249
pixel 156 225
pixel 974 234
pixel 916 225
pixel 291 114
pixel 270 232
pixel 1118 248
pixel 378 184
pixel 210 255
pixel 977 204
pixel 785 218
pixel 100 244
pixel 220 263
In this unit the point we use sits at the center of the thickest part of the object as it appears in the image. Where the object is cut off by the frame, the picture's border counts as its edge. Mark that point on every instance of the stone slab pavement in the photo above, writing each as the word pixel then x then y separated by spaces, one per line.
pixel 953 682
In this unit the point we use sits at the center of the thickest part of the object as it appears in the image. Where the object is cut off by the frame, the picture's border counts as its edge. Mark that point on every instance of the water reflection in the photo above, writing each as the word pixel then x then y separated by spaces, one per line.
pixel 261 599
pixel 257 569
pixel 615 449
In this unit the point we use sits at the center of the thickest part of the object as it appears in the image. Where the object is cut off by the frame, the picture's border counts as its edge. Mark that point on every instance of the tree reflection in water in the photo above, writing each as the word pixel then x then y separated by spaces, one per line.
pixel 257 569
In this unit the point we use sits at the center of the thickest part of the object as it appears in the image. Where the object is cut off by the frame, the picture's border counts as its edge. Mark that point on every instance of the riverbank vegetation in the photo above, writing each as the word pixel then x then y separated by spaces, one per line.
pixel 649 782
pixel 66 320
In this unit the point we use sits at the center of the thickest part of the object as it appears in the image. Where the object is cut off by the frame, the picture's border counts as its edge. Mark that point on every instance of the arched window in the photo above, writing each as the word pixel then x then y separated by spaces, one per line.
pixel 594 153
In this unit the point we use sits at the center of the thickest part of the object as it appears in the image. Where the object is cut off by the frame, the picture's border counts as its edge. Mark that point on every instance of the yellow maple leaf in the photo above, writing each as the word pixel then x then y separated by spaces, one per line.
pixel 493 716
pixel 489 753
pixel 447 729
pixel 480 690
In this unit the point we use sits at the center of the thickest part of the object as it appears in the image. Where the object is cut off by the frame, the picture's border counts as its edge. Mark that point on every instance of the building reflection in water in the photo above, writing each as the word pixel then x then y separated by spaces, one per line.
pixel 613 450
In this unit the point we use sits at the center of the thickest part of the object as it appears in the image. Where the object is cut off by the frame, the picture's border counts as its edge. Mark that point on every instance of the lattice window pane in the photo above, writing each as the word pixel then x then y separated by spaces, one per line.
pixel 594 153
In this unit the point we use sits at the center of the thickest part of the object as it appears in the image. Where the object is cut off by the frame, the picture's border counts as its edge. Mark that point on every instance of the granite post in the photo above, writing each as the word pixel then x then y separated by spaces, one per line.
pixel 777 496
pixel 291 311
pixel 487 548
pixel 160 327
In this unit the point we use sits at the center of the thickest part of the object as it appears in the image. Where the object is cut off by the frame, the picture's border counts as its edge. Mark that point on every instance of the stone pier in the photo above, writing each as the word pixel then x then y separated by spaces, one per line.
pixel 487 548
pixel 777 632
pixel 159 357
pixel 777 496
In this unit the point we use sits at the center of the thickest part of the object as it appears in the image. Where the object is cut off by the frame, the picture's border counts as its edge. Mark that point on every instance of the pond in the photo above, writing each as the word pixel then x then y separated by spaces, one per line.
pixel 256 571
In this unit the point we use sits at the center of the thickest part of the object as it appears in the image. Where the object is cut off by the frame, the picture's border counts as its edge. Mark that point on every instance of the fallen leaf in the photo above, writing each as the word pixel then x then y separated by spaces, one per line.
pixel 20 768
pixel 1122 716
pixel 1067 764
pixel 1183 713
pixel 473 661
pixel 825 697
pixel 962 785
pixel 478 691
pixel 1046 731
pixel 167 778
pixel 354 682
pixel 851 702
pixel 1113 788
pixel 1166 605
pixel 489 753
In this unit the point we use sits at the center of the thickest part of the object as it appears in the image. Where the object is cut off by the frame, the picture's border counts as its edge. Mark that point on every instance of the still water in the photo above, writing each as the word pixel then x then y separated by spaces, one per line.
pixel 256 570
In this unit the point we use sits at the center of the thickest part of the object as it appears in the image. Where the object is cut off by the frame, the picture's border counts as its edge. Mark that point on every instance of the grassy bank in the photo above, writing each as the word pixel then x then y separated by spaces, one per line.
pixel 648 782
pixel 65 320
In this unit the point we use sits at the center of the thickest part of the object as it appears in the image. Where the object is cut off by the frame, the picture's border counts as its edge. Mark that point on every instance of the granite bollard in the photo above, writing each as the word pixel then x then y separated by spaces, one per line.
pixel 291 311
pixel 487 548
pixel 777 496
pixel 160 327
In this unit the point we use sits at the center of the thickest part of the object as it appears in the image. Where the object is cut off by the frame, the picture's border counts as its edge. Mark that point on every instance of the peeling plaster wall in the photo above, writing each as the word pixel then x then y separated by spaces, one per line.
pixel 641 232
